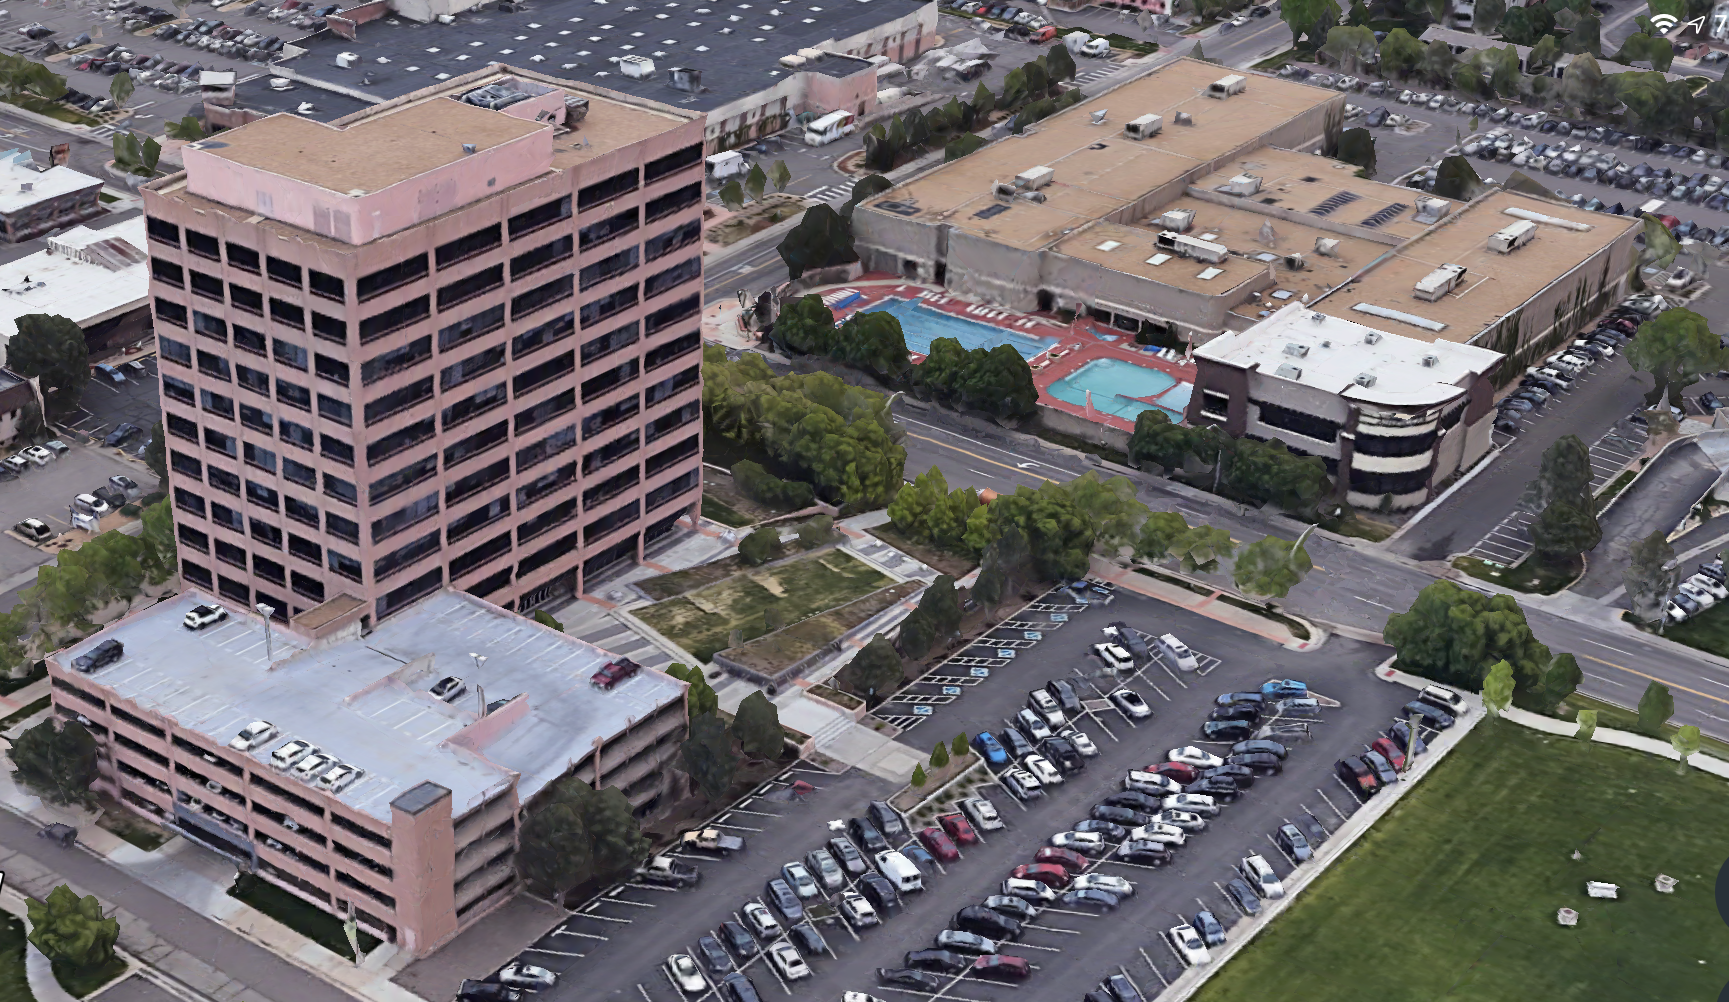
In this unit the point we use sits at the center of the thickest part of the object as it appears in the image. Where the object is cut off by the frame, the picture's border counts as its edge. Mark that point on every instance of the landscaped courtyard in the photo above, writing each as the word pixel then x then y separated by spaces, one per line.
pixel 1453 894
pixel 702 621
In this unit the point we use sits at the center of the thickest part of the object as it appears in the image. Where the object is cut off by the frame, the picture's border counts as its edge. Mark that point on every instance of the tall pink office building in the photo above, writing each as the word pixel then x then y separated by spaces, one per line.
pixel 449 340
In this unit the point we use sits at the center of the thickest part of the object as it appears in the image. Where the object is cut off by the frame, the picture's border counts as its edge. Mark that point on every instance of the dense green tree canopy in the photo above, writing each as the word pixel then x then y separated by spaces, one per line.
pixel 1453 634
pixel 756 727
pixel 820 240
pixel 1675 347
pixel 53 348
pixel 56 759
pixel 1271 567
pixel 874 672
pixel 1650 577
pixel 72 932
pixel 708 756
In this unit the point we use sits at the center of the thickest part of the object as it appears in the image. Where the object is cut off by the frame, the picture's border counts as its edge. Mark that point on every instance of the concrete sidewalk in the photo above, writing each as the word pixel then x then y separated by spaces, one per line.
pixel 1206 605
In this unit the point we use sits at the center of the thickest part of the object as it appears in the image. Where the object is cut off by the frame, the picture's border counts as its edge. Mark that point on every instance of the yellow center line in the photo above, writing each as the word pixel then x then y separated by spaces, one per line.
pixel 980 458
pixel 1696 692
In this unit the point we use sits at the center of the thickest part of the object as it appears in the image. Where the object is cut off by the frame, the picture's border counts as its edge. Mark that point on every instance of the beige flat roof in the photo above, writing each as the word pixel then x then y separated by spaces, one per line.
pixel 1301 182
pixel 1098 169
pixel 373 152
pixel 1495 284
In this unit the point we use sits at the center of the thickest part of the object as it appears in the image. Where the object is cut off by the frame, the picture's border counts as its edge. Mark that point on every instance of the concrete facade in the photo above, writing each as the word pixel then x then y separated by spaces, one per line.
pixel 431 344
pixel 423 844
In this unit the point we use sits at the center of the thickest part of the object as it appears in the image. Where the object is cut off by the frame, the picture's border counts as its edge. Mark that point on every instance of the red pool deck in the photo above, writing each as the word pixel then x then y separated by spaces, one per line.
pixel 1081 341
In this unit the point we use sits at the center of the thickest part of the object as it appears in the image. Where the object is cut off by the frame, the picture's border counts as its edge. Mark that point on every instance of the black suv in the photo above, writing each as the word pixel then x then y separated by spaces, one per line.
pixel 986 922
pixel 100 656
pixel 1063 691
pixel 866 835
pixel 886 819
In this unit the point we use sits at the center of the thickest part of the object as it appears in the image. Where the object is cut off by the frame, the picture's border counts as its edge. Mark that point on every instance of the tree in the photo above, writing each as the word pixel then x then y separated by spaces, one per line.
pixel 1059 63
pixel 1159 533
pixel 1351 48
pixel 1656 706
pixel 156 454
pixel 72 931
pixel 940 755
pixel 189 129
pixel 983 102
pixel 30 426
pixel 577 834
pixel 1560 680
pixel 544 618
pixel 1309 20
pixel 1156 439
pixel 1564 474
pixel 58 763
pixel 1401 53
pixel 913 504
pixel 1563 531
pixel 1587 720
pixel 760 546
pixel 821 239
pixel 805 326
pixel 755 182
pixel 1453 634
pixel 1357 146
pixel 1585 32
pixel 941 606
pixel 53 348
pixel 1455 178
pixel 121 88
pixel 732 195
pixel 1640 47
pixel 1686 743
pixel 1271 567
pixel 1111 506
pixel 1201 548
pixel 1675 347
pixel 874 672
pixel 1543 55
pixel 1650 577
pixel 916 637
pixel 958 746
pixel 1006 563
pixel 708 756
pixel 1438 62
pixel 135 157
pixel 1488 15
pixel 1498 688
pixel 1581 82
pixel 1270 472
pixel 1014 89
pixel 817 531
pixel 756 727
pixel 758 484
pixel 1059 535
pixel 919 779
pixel 699 697
pixel 872 340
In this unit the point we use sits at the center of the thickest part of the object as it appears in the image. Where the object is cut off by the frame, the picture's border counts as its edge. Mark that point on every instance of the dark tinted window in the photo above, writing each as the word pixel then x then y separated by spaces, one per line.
pixel 597 348
pixel 328 286
pixel 673 201
pixel 618 224
pixel 396 360
pixel 283 271
pixel 398 400
pixel 380 449
pixel 546 410
pixel 678 347
pixel 475 444
pixel 609 305
pixel 203 244
pixel 541 296
pixel 604 191
pixel 170 312
pixel 464 289
pixel 685 271
pixel 395 318
pixel 672 163
pixel 401 480
pixel 540 257
pixel 487 320
pixel 532 340
pixel 463 248
pixel 672 313
pixel 385 279
pixel 244 258
pixel 609 267
pixel 679 236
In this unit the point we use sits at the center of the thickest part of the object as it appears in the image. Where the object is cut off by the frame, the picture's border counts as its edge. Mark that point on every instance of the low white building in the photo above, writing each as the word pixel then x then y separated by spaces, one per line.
pixel 99 279
pixel 1391 415
pixel 35 200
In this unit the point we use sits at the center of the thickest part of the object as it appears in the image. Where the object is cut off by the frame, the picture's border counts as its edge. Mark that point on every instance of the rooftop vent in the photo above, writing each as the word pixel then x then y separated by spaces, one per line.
pixel 1365 379
pixel 1032 196
pixel 1099 116
pixel 1034 178
pixel 1003 190
pixel 1297 350
pixel 1326 247
pixel 468 149
pixel 1183 118
pixel 1288 371
pixel 1439 282
pixel 281 83
pixel 1295 262
pixel 1432 210
pixel 685 79
pixel 1510 238
pixel 25 186
pixel 575 109
pixel 1373 337
pixel 793 62
pixel 636 67
pixel 1178 220
pixel 1145 127
pixel 1224 87
pixel 494 96
pixel 1243 184
pixel 347 59
pixel 1429 361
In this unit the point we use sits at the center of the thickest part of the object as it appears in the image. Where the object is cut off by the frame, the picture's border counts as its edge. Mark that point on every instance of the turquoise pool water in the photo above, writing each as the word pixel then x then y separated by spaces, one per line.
pixel 921 325
pixel 1123 389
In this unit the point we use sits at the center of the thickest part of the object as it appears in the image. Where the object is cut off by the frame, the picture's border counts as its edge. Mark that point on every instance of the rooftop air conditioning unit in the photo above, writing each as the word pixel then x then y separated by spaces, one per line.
pixel 636 67
pixel 1226 86
pixel 1243 184
pixel 1035 178
pixel 793 62
pixel 346 59
pixel 1326 247
pixel 1032 196
pixel 1183 118
pixel 1432 210
pixel 1297 350
pixel 1288 371
pixel 1365 379
pixel 1145 127
pixel 1201 250
pixel 1429 361
pixel 1439 282
pixel 575 109
pixel 1178 220
pixel 1511 238
pixel 1004 190
pixel 810 53
pixel 1295 262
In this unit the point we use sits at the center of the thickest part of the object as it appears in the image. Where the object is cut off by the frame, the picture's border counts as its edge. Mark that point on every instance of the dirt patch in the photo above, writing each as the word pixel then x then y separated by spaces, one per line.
pixel 953 564
pixel 775 207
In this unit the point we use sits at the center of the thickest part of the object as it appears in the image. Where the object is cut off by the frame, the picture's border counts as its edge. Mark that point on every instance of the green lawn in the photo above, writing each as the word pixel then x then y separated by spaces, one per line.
pixel 14 987
pixel 1453 895
pixel 1610 716
pixel 716 509
pixel 1708 631
pixel 1532 576
pixel 808 586
pixel 314 923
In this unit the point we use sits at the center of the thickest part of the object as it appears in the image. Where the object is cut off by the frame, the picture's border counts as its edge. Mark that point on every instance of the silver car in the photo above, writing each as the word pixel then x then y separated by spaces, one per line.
pixel 803 884
pixel 827 872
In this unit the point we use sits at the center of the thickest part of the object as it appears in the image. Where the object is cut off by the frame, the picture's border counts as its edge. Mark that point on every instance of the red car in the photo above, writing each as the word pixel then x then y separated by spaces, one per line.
pixel 1068 859
pixel 1356 774
pixel 614 672
pixel 1049 874
pixel 1182 772
pixel 939 844
pixel 958 828
pixel 1390 752
pixel 998 966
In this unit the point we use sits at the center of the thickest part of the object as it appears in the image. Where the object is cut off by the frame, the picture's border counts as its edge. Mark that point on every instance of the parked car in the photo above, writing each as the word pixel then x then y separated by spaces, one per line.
pixel 1294 843
pixel 520 975
pixel 1070 860
pixel 1356 774
pixel 757 918
pixel 848 856
pixel 1049 874
pixel 36 531
pixel 983 813
pixel 1188 945
pixel 945 961
pixel 1131 704
pixel 1018 909
pixel 886 819
pixel 1105 882
pixel 991 750
pixel 1192 755
pixel 940 845
pixel 866 835
pixel 986 921
pixel 1001 967
pixel 1244 896
pixel 1211 929
pixel 713 956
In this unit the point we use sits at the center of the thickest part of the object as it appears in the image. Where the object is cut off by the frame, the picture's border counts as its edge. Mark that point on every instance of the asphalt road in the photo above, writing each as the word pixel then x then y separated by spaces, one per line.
pixel 1355 584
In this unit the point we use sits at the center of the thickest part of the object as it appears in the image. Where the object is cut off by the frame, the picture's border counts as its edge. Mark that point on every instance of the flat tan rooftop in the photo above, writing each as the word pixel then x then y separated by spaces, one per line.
pixel 1098 169
pixel 1303 182
pixel 373 152
pixel 1495 284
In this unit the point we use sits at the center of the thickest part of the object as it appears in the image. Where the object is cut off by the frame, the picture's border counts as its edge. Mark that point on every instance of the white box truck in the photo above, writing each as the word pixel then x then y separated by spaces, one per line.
pixel 829 128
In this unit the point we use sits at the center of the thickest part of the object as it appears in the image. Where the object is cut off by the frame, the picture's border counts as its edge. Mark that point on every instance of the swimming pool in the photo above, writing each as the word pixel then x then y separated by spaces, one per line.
pixel 921 325
pixel 1123 389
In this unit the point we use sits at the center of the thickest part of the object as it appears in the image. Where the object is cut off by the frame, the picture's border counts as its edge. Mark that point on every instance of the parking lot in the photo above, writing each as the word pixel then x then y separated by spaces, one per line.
pixel 610 949
pixel 44 492
pixel 107 404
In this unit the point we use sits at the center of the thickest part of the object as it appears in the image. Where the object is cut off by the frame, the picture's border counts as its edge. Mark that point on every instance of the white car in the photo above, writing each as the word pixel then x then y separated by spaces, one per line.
pixel 1082 743
pixel 340 777
pixel 1152 783
pixel 1187 942
pixel 92 505
pixel 1033 725
pixel 757 916
pixel 1190 755
pixel 1116 657
pixel 18 461
pixel 1085 843
pixel 1028 890
pixel 784 956
pixel 38 455
pixel 1259 873
pixel 1103 882
pixel 1024 777
pixel 520 975
pixel 255 734
pixel 1194 803
pixel 1705 599
pixel 858 910
pixel 1346 83
pixel 313 766
pixel 983 814
pixel 684 973
pixel 1711 585
pixel 1161 833
pixel 291 753
pixel 1042 768
pixel 203 615
pixel 1186 820
pixel 966 942
pixel 1130 702
pixel 1045 705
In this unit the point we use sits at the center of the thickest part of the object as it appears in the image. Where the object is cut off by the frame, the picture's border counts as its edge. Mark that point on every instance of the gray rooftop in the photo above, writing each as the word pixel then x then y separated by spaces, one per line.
pixel 736 46
pixel 365 700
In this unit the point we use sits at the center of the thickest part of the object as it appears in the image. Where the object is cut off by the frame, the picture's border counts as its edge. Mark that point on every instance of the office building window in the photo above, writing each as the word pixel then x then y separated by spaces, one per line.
pixel 464 289
pixel 608 305
pixel 538 337
pixel 463 248
pixel 410 514
pixel 609 267
pixel 395 318
pixel 454 375
pixel 524 223
pixel 396 360
pixel 299 473
pixel 477 519
pixel 613 226
pixel 538 258
pixel 685 271
pixel 484 322
pixel 405 556
pixel 475 444
pixel 392 484
pixel 680 236
pixel 381 449
pixel 474 406
pixel 393 277
pixel 342 528
pixel 533 417
pixel 600 192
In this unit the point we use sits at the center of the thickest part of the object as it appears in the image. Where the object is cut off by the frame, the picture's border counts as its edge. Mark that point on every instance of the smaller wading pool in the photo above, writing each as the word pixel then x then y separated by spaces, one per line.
pixel 1123 389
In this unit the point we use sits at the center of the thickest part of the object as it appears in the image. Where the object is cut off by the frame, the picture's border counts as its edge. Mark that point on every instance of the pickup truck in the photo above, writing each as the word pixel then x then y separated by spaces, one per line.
pixel 712 840
pixel 668 872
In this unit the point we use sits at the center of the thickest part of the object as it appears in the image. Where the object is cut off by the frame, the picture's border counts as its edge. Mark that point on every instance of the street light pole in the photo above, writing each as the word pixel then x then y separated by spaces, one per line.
pixel 266 611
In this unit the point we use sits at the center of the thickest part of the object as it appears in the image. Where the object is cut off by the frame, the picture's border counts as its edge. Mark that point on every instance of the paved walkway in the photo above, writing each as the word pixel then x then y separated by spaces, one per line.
pixel 1205 605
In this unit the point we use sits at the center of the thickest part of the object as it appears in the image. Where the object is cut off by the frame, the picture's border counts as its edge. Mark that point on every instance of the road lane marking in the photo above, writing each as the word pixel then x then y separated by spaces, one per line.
pixel 1654 678
pixel 982 459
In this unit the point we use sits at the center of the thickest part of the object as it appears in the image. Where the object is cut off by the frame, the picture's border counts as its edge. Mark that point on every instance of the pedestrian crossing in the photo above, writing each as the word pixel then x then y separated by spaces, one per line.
pixel 831 193
pixel 1091 75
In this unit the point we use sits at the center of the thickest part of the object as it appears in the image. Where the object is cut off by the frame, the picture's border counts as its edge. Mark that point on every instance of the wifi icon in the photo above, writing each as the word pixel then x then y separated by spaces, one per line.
pixel 1664 22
